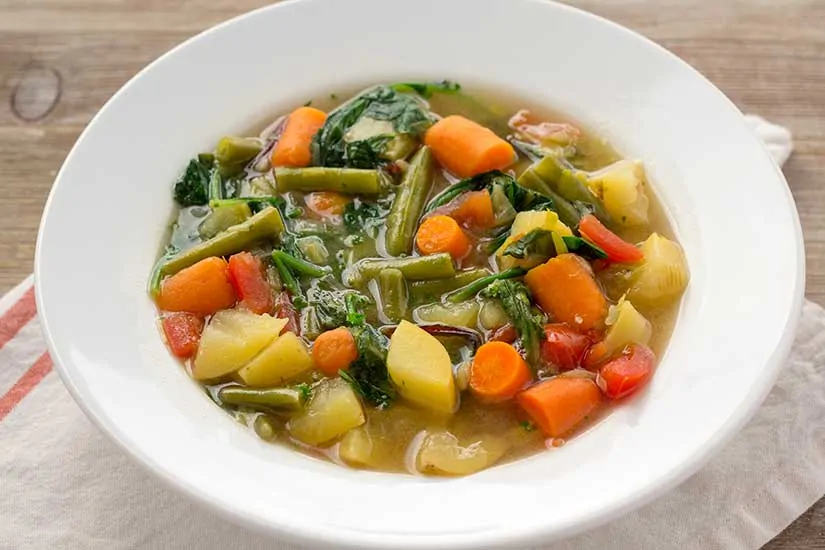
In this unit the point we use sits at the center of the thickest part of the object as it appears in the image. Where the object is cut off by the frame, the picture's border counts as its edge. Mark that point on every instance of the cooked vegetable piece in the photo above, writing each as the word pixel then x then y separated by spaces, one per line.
pixel 584 248
pixel 519 197
pixel 515 299
pixel 202 289
pixel 474 210
pixel 278 399
pixel 621 187
pixel 333 410
pixel 461 314
pixel 476 286
pixel 417 268
pixel 370 142
pixel 626 326
pixel 265 428
pixel 298 266
pixel 246 273
pixel 266 224
pixel 191 189
pixel 285 358
pixel 557 405
pixel 421 370
pixel 284 309
pixel 430 290
pixel 628 372
pixel 466 148
pixel 441 453
pixel 334 350
pixel 356 447
pixel 503 210
pixel 231 339
pixel 409 203
pixel 498 372
pixel 223 218
pixel 428 89
pixel 312 247
pixel 327 204
pixel 392 288
pixel 293 147
pixel 531 249
pixel 439 234
pixel 524 224
pixel 662 276
pixel 565 288
pixel 183 333
pixel 351 181
pixel 492 316
pixel 563 347
pixel 617 249
pixel 233 152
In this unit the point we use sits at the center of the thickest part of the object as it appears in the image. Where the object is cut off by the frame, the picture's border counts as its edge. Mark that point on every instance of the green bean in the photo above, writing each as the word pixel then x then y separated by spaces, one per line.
pixel 392 288
pixel 421 291
pixel 265 428
pixel 566 211
pixel 414 268
pixel 299 266
pixel 282 399
pixel 223 217
pixel 233 151
pixel 473 288
pixel 569 183
pixel 265 224
pixel 342 180
pixel 274 201
pixel 409 203
pixel 287 278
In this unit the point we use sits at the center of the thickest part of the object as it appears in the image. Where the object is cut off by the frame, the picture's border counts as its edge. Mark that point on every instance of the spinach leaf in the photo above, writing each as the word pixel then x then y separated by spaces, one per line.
pixel 520 197
pixel 408 116
pixel 353 303
pixel 427 89
pixel 366 153
pixel 584 248
pixel 191 189
pixel 538 242
pixel 363 216
pixel 515 299
pixel 332 305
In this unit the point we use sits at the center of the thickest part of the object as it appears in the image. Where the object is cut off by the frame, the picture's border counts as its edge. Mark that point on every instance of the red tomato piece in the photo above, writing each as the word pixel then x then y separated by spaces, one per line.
pixel 618 250
pixel 246 273
pixel 626 373
pixel 183 333
pixel 285 310
pixel 564 347
pixel 505 333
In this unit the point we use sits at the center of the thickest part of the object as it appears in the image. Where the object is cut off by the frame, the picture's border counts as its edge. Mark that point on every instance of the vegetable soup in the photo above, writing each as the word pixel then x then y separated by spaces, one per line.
pixel 418 279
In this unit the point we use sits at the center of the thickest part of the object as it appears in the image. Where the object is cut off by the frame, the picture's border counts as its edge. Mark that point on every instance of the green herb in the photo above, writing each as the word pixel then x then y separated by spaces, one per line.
pixel 191 189
pixel 293 212
pixel 521 198
pixel 367 153
pixel 368 375
pixel 407 115
pixel 538 242
pixel 476 286
pixel 515 299
pixel 354 302
pixel 305 390
pixel 361 216
pixel 427 89
pixel 584 248
pixel 498 241
pixel 527 425
pixel 330 305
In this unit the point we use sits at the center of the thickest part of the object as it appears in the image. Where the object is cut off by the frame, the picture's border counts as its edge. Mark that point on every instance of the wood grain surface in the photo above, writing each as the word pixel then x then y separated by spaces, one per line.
pixel 60 60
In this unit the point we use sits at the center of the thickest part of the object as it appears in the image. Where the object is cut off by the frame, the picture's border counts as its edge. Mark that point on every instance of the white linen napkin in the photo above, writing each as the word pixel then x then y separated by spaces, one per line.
pixel 65 486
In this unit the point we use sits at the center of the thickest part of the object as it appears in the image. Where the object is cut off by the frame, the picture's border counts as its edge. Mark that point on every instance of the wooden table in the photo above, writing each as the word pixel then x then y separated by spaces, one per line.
pixel 61 60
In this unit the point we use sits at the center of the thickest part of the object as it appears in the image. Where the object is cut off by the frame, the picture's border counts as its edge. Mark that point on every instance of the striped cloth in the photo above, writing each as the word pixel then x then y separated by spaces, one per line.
pixel 65 486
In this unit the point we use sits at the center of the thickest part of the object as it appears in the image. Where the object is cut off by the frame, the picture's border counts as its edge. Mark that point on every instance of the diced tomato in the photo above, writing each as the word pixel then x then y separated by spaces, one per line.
pixel 626 373
pixel 564 347
pixel 285 310
pixel 617 249
pixel 246 273
pixel 183 333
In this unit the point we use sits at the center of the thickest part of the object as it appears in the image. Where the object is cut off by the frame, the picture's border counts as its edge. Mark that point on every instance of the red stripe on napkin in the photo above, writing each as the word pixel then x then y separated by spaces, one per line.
pixel 17 316
pixel 25 384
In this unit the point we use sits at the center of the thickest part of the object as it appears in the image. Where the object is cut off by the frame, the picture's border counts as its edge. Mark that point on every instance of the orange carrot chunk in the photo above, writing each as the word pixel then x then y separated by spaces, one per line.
pixel 565 288
pixel 292 148
pixel 183 333
pixel 498 372
pixel 474 209
pixel 246 273
pixel 327 203
pixel 466 148
pixel 442 234
pixel 202 289
pixel 558 404
pixel 334 350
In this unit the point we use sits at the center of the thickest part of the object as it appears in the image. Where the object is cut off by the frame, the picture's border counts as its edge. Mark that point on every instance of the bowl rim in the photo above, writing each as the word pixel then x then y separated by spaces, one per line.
pixel 761 386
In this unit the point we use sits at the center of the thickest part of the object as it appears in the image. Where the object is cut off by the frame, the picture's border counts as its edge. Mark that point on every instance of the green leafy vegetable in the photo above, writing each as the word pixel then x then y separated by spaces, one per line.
pixel 354 302
pixel 521 198
pixel 329 147
pixel 428 89
pixel 191 189
pixel 305 390
pixel 515 299
pixel 368 375
pixel 330 305
pixel 498 241
pixel 298 266
pixel 538 242
pixel 584 248
pixel 363 216
pixel 473 288
pixel 367 153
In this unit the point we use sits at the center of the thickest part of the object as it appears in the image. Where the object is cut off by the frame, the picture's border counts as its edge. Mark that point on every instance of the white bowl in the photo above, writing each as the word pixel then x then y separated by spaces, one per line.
pixel 730 206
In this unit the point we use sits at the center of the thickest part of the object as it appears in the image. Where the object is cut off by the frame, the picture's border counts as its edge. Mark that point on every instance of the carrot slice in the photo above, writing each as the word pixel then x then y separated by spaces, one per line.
pixel 334 350
pixel 474 209
pixel 327 203
pixel 442 234
pixel 498 372
pixel 617 249
pixel 558 404
pixel 466 148
pixel 183 333
pixel 292 148
pixel 246 273
pixel 565 288
pixel 202 288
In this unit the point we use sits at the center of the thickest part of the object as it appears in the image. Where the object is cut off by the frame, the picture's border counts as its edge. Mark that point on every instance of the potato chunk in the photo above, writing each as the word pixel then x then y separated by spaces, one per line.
pixel 281 360
pixel 441 453
pixel 333 410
